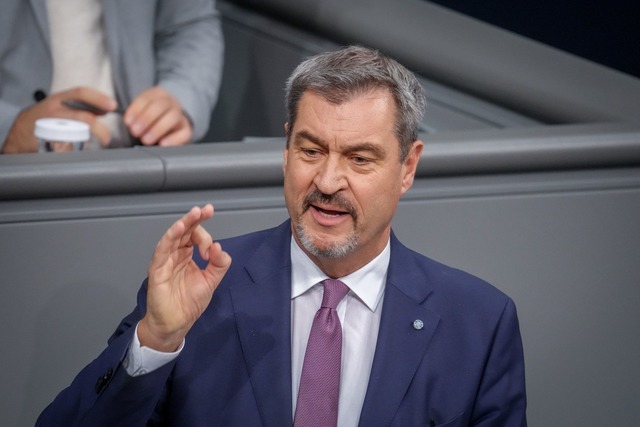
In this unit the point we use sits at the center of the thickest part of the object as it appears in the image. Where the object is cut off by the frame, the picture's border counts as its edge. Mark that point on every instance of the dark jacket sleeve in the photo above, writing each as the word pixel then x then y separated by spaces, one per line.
pixel 103 394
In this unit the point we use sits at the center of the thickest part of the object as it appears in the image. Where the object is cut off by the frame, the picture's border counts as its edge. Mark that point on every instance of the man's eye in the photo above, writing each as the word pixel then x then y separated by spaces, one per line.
pixel 360 160
pixel 310 152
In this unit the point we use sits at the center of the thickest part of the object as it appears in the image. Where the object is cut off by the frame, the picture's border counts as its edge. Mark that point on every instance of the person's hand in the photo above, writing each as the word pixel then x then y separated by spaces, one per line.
pixel 156 117
pixel 178 290
pixel 21 139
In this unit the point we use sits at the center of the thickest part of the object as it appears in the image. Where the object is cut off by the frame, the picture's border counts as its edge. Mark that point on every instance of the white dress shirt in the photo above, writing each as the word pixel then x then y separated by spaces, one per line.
pixel 359 314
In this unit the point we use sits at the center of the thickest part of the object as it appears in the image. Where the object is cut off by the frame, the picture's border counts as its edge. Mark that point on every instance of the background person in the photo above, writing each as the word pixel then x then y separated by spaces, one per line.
pixel 159 63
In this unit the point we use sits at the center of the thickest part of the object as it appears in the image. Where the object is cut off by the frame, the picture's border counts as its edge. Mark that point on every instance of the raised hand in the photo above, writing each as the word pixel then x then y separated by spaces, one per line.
pixel 178 290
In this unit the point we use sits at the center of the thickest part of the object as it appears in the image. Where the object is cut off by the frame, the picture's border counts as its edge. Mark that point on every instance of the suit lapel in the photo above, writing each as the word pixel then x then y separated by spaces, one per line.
pixel 40 12
pixel 401 346
pixel 113 33
pixel 262 308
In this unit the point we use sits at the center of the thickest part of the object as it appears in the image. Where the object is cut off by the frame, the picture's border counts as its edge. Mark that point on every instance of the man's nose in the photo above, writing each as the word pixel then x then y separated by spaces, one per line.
pixel 331 176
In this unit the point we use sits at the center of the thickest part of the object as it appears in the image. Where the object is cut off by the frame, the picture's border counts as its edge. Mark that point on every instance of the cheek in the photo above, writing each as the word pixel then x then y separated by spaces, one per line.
pixel 299 176
pixel 378 200
pixel 296 185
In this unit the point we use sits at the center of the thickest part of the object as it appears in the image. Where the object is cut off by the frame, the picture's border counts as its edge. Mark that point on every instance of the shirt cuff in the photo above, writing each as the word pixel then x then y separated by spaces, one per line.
pixel 143 360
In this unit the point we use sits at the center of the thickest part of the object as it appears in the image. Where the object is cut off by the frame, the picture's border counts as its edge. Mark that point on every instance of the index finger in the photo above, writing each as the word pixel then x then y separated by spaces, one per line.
pixel 179 234
pixel 192 219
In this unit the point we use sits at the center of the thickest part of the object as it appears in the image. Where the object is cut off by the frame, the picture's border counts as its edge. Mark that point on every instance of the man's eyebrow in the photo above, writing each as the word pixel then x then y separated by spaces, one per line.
pixel 303 134
pixel 376 150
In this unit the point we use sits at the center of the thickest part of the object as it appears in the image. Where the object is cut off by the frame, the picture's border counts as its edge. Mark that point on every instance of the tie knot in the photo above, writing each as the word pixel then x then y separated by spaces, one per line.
pixel 334 291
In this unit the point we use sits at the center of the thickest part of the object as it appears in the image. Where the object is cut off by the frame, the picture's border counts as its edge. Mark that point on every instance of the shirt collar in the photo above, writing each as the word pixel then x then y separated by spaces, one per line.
pixel 367 283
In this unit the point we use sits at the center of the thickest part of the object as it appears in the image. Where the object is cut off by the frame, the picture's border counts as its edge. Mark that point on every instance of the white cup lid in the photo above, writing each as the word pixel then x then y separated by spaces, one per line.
pixel 62 130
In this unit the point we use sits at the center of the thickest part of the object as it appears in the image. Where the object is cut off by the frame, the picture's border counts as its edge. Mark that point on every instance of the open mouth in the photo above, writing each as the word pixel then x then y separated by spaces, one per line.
pixel 329 212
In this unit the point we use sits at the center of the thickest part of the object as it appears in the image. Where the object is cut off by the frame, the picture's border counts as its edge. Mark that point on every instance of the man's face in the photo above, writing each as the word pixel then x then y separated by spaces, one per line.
pixel 343 178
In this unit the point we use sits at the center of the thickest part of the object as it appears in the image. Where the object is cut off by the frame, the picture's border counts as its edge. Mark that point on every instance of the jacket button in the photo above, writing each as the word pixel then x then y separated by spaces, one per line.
pixel 39 95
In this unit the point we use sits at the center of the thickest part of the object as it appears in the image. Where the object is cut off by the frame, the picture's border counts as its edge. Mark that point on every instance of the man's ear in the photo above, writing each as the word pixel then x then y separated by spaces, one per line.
pixel 410 165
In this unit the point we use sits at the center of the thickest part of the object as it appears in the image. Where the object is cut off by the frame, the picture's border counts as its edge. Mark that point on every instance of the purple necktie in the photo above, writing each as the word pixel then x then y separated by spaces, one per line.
pixel 320 381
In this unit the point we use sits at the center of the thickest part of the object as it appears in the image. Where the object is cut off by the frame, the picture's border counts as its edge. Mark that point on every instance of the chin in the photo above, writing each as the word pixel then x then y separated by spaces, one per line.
pixel 332 250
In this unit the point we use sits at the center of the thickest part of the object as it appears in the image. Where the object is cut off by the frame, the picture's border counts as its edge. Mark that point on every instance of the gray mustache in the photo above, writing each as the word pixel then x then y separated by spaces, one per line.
pixel 336 199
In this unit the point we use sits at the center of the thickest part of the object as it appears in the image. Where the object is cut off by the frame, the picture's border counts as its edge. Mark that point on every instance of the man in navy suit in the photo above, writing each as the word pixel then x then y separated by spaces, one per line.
pixel 216 343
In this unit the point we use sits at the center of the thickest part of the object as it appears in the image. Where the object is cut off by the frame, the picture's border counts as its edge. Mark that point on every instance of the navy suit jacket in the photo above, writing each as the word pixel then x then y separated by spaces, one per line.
pixel 464 367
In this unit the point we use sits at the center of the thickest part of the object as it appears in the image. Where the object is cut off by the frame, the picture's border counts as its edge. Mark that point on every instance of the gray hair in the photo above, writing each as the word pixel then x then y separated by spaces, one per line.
pixel 339 76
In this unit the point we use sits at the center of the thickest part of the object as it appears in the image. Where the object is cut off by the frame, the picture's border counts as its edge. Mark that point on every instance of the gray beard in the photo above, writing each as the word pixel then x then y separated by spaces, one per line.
pixel 338 250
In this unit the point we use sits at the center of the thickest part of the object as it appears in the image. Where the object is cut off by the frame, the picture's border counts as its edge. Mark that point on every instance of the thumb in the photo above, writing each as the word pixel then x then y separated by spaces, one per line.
pixel 219 262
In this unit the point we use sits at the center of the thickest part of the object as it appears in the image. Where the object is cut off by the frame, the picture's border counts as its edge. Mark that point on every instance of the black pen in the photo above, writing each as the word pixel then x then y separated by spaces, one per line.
pixel 80 105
